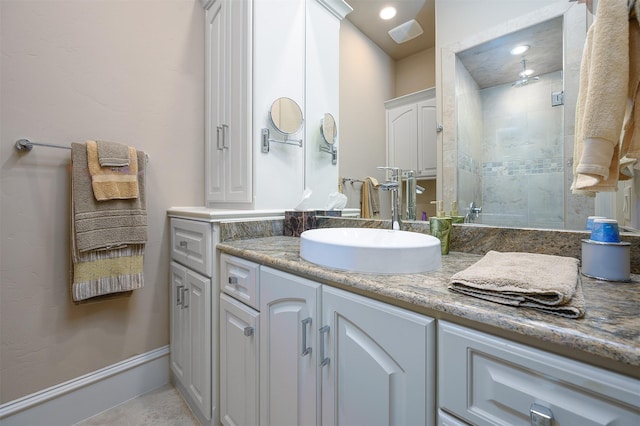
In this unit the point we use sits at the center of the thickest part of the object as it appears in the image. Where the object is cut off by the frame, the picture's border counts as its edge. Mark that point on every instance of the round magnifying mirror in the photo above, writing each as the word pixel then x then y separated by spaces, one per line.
pixel 286 116
pixel 329 129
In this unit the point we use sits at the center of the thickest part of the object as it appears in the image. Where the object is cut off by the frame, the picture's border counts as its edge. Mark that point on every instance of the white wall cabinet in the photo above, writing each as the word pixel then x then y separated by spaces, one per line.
pixel 191 334
pixel 486 380
pixel 228 88
pixel 412 133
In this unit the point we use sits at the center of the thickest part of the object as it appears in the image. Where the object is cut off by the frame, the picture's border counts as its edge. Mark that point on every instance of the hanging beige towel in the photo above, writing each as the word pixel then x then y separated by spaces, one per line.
pixel 370 198
pixel 112 183
pixel 631 129
pixel 604 78
pixel 113 154
pixel 105 224
pixel 544 282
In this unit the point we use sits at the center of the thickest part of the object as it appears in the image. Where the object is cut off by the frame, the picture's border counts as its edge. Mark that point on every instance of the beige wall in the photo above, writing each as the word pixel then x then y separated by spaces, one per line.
pixel 368 78
pixel 416 72
pixel 129 71
pixel 366 81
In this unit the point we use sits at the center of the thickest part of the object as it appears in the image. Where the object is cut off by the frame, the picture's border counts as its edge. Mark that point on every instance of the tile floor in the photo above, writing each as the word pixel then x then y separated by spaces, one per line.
pixel 161 407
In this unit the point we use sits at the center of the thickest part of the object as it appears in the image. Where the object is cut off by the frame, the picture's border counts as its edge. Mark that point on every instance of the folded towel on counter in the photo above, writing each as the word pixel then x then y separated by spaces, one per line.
pixel 602 99
pixel 112 154
pixel 370 198
pixel 112 183
pixel 105 224
pixel 544 282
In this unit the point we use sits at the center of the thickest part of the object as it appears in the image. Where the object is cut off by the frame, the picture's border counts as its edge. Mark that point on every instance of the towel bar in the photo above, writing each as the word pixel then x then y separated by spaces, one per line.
pixel 26 145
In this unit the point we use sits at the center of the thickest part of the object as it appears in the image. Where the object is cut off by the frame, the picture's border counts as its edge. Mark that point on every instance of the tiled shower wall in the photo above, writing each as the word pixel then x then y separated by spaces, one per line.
pixel 515 172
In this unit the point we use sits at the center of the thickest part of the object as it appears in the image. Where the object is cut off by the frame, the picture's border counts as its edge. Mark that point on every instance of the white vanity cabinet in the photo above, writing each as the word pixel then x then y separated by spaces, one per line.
pixel 412 133
pixel 289 322
pixel 191 311
pixel 378 362
pixel 326 356
pixel 486 380
pixel 239 341
pixel 228 89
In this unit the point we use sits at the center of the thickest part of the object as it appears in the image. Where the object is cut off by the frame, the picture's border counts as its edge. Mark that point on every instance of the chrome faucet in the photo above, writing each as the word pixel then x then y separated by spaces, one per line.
pixel 473 213
pixel 393 185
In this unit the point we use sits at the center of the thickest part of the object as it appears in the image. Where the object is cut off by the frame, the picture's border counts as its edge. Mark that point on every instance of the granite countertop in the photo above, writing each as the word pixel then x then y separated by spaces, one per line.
pixel 607 336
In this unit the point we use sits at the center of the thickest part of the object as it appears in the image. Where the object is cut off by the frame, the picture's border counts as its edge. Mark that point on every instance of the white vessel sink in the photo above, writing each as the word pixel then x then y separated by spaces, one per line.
pixel 380 251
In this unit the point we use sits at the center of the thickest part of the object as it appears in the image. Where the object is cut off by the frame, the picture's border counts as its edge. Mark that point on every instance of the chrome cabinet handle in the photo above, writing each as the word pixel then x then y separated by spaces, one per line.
pixel 218 130
pixel 179 295
pixel 183 244
pixel 225 131
pixel 325 360
pixel 185 300
pixel 540 415
pixel 233 280
pixel 306 350
pixel 248 331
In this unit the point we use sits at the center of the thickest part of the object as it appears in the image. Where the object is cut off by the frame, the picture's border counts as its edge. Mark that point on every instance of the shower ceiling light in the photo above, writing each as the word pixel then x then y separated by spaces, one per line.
pixel 388 13
pixel 519 50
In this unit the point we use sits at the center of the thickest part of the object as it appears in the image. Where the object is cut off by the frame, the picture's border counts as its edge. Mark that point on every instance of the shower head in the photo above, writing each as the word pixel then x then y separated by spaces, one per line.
pixel 525 76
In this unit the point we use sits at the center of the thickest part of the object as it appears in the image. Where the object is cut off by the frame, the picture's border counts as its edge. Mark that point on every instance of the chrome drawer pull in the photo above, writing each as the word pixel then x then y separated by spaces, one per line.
pixel 185 292
pixel 183 244
pixel 305 350
pixel 233 280
pixel 325 361
pixel 179 295
pixel 248 331
pixel 540 415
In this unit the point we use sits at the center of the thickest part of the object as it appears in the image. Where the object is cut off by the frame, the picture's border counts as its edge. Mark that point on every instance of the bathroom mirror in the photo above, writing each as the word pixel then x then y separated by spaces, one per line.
pixel 328 129
pixel 286 116
pixel 512 143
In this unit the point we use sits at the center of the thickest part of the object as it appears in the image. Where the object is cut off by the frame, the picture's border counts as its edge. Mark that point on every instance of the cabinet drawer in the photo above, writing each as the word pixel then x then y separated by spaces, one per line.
pixel 487 380
pixel 239 279
pixel 191 245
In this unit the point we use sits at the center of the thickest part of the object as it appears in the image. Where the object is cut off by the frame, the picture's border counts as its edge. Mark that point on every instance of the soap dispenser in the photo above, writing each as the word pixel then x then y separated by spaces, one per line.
pixel 440 226
pixel 455 215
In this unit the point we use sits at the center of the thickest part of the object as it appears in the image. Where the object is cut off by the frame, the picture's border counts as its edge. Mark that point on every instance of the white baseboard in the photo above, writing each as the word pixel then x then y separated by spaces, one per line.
pixel 78 399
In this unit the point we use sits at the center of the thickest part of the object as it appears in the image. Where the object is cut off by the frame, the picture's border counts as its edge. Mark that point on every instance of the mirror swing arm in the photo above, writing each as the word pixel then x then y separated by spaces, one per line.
pixel 330 149
pixel 266 141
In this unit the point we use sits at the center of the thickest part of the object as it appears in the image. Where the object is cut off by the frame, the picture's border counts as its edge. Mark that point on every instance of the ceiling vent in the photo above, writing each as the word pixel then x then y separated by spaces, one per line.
pixel 405 32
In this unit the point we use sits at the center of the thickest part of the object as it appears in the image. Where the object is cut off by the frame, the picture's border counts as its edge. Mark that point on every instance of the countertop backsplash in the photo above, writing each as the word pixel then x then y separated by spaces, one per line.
pixel 474 239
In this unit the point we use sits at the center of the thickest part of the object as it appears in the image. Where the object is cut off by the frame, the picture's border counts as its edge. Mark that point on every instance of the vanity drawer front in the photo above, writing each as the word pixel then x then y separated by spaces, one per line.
pixel 239 279
pixel 191 245
pixel 486 380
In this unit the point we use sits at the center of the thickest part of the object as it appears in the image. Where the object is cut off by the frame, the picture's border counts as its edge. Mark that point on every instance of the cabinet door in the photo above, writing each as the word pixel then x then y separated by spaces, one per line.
pixel 228 104
pixel 215 100
pixel 197 304
pixel 179 322
pixel 380 367
pixel 427 138
pixel 238 363
pixel 402 137
pixel 289 388
pixel 237 139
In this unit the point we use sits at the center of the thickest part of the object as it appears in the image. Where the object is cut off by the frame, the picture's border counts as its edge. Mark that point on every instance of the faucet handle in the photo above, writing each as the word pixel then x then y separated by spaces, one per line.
pixel 395 171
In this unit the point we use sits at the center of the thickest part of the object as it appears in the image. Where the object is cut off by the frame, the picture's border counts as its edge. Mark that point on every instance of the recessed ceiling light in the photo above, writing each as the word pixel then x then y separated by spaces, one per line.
pixel 519 50
pixel 388 13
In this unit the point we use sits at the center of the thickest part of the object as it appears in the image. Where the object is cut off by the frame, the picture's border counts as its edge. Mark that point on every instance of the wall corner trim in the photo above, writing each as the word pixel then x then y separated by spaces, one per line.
pixel 90 394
